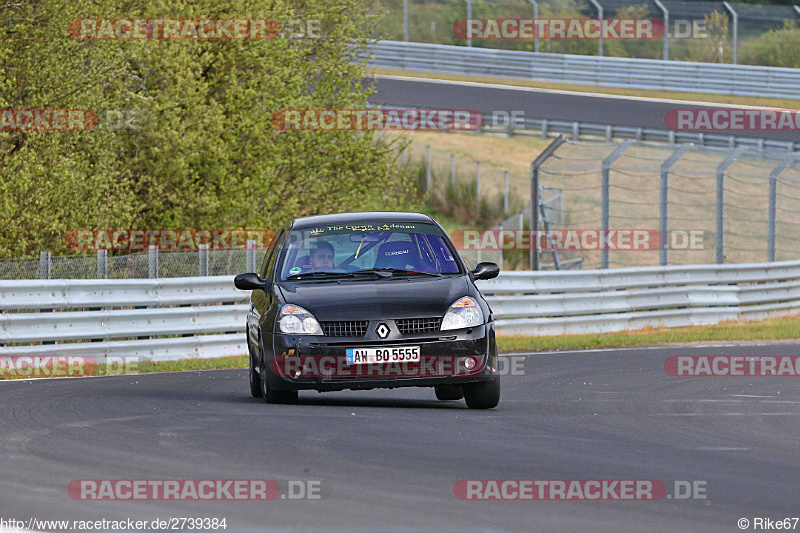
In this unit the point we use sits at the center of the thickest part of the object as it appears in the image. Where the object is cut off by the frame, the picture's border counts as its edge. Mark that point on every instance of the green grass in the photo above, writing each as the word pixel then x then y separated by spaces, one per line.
pixel 766 330
pixel 784 328
pixel 131 368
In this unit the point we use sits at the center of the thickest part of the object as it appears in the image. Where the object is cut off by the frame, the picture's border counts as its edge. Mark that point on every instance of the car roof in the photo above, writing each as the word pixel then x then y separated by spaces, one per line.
pixel 360 218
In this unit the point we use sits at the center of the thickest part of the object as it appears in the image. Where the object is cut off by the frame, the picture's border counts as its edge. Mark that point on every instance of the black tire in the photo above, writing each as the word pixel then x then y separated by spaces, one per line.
pixel 272 395
pixel 483 394
pixel 449 392
pixel 255 380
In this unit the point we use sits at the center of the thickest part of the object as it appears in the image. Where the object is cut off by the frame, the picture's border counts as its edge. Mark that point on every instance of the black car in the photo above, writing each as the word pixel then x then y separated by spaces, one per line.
pixel 369 300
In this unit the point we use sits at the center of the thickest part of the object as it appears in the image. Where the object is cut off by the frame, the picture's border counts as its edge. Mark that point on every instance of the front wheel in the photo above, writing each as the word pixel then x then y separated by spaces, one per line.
pixel 482 394
pixel 272 395
pixel 255 380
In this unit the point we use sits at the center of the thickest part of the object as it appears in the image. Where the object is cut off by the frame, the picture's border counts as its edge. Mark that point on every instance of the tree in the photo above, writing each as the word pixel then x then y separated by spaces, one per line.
pixel 208 155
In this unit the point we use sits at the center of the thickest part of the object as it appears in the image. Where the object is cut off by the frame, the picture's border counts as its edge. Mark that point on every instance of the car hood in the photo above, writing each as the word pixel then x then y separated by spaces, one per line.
pixel 369 300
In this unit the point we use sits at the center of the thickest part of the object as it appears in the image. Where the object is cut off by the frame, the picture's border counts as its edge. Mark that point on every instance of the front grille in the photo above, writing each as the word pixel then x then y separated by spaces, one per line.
pixel 407 326
pixel 345 328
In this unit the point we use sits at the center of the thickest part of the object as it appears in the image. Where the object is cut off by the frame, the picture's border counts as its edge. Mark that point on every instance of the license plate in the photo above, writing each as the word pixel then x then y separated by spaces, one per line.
pixel 404 354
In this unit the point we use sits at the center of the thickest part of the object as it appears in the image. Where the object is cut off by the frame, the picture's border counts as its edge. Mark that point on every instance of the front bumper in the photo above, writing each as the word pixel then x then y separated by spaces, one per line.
pixel 320 363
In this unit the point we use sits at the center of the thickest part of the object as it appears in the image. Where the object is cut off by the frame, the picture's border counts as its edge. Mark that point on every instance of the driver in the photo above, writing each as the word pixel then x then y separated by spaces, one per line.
pixel 322 256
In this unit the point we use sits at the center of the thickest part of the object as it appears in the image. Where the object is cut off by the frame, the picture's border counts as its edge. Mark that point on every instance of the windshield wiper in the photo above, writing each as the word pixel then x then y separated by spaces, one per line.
pixel 320 275
pixel 388 272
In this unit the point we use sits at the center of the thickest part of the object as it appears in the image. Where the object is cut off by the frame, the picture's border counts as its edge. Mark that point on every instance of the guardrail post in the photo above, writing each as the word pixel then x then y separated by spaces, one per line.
pixel 102 264
pixel 544 128
pixel 609 133
pixel 202 258
pixel 576 131
pixel 604 194
pixel 505 193
pixel 665 54
pixel 427 167
pixel 664 215
pixel 250 256
pixel 773 200
pixel 535 166
pixel 44 265
pixel 453 170
pixel 152 261
pixel 720 216
pixel 735 31
pixel 600 18
pixel 478 184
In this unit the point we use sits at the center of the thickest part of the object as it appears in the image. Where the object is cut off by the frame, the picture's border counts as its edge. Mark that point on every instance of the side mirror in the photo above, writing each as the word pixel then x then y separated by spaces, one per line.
pixel 249 282
pixel 486 271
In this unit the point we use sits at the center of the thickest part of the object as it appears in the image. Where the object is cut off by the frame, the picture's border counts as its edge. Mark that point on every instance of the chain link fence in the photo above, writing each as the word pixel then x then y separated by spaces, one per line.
pixel 734 25
pixel 150 264
pixel 707 205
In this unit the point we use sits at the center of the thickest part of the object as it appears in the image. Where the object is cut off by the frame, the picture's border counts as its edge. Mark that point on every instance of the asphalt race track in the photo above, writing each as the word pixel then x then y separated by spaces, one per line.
pixel 388 459
pixel 537 103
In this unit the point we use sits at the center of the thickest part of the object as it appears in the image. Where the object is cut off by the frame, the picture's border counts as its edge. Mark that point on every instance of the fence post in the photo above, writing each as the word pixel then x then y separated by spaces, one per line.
pixel 453 169
pixel 202 258
pixel 735 32
pixel 720 212
pixel 665 54
pixel 536 33
pixel 605 174
pixel 664 215
pixel 44 265
pixel 469 16
pixel 102 264
pixel 152 261
pixel 773 200
pixel 250 256
pixel 600 18
pixel 428 167
pixel 478 183
pixel 535 165
pixel 405 24
pixel 505 194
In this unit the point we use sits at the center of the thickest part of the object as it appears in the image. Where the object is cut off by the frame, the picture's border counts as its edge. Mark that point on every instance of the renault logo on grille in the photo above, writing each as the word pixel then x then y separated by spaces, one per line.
pixel 382 330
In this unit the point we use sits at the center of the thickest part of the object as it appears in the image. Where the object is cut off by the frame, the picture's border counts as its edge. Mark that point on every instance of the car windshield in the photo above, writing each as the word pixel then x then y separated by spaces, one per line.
pixel 362 250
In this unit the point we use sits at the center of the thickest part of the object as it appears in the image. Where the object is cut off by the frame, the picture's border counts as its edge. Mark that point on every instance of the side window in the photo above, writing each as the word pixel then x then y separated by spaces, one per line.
pixel 273 245
pixel 274 256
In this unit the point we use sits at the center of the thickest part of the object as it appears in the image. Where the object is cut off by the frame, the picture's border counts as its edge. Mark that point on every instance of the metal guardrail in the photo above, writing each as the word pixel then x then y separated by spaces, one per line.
pixel 123 318
pixel 741 80
pixel 98 315
pixel 601 301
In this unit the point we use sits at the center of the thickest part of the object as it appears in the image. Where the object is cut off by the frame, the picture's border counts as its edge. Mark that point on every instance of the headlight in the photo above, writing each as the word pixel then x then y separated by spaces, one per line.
pixel 295 319
pixel 464 313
